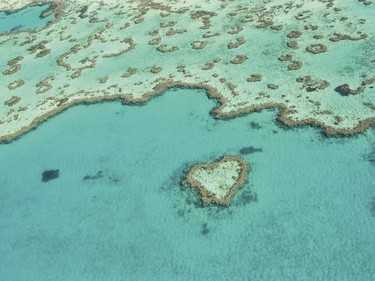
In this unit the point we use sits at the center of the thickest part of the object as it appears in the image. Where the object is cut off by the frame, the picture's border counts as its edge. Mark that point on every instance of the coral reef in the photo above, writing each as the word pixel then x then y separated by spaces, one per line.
pixel 218 181
pixel 131 51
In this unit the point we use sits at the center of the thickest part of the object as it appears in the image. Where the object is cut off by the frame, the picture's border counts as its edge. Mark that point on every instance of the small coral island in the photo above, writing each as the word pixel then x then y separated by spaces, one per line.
pixel 218 181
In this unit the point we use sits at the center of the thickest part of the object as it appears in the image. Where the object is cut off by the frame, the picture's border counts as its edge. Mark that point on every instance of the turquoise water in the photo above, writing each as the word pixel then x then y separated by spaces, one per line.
pixel 25 19
pixel 307 212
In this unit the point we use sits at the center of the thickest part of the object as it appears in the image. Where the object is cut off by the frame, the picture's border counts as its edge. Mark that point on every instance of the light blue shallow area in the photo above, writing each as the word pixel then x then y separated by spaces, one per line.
pixel 307 212
pixel 25 19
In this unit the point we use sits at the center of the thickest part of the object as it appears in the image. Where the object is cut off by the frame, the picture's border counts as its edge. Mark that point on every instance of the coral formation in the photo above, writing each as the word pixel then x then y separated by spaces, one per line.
pixel 131 51
pixel 218 181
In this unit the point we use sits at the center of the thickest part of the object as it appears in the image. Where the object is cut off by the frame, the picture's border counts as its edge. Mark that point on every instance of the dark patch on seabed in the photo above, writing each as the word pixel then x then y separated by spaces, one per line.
pixel 255 125
pixel 49 175
pixel 114 179
pixel 18 27
pixel 372 206
pixel 371 157
pixel 205 229
pixel 343 90
pixel 98 175
pixel 244 197
pixel 82 12
pixel 249 150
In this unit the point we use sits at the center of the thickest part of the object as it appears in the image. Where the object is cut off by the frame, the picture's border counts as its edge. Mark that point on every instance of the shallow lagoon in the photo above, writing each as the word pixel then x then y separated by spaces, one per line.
pixel 25 19
pixel 117 211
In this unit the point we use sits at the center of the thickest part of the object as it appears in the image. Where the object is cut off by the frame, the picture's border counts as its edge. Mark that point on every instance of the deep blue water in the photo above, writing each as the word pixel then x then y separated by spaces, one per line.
pixel 117 212
pixel 25 19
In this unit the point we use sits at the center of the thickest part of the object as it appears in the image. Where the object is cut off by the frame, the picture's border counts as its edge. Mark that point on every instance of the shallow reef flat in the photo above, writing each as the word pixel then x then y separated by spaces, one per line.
pixel 313 60
pixel 218 181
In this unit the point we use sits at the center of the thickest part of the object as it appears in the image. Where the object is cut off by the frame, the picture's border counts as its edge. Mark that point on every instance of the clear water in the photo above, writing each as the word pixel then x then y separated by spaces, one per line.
pixel 307 213
pixel 25 19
